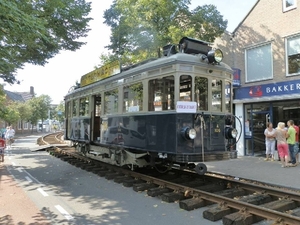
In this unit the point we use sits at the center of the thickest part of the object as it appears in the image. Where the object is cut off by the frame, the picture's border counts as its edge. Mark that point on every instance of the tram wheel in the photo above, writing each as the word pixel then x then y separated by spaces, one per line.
pixel 201 168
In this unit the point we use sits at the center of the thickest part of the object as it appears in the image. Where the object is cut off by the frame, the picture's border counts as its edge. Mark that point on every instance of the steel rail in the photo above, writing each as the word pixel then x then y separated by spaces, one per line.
pixel 292 195
pixel 243 207
pixel 246 207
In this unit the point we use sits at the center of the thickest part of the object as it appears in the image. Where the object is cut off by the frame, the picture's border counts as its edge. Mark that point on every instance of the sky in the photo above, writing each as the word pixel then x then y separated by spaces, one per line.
pixel 61 72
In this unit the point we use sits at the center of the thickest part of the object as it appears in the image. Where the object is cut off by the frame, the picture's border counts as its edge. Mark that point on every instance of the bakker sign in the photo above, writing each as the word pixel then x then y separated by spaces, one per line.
pixel 268 90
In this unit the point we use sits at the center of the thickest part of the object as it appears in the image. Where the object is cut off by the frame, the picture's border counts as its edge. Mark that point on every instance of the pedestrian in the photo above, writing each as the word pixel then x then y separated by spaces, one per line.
pixel 9 135
pixel 270 142
pixel 296 147
pixel 282 145
pixel 291 135
pixel 2 148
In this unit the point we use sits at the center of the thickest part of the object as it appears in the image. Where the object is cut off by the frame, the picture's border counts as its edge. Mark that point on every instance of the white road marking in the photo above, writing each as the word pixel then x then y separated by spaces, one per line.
pixel 42 192
pixel 20 170
pixel 33 178
pixel 28 179
pixel 64 212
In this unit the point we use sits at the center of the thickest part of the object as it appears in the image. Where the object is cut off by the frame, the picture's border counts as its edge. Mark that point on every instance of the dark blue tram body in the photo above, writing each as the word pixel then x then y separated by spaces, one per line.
pixel 167 111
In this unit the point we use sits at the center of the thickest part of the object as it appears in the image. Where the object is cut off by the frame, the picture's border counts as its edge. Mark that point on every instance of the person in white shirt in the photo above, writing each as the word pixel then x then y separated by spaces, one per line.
pixel 9 135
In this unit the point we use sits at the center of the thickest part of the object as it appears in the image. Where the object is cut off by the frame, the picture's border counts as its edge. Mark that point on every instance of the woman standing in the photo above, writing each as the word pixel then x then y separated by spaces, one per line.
pixel 282 145
pixel 270 142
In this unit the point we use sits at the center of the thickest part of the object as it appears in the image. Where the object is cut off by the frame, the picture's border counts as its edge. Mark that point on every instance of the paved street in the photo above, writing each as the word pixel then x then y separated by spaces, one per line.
pixel 68 195
pixel 36 188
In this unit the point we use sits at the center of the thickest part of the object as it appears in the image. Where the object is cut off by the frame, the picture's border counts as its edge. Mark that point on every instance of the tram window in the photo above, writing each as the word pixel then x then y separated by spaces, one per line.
pixel 161 94
pixel 111 102
pixel 84 106
pixel 133 98
pixel 75 106
pixel 201 93
pixel 228 97
pixel 216 95
pixel 69 109
pixel 185 88
pixel 97 106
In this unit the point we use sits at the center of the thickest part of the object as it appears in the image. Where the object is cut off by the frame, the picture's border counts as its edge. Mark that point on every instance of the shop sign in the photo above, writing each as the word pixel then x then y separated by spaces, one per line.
pixel 268 90
pixel 236 77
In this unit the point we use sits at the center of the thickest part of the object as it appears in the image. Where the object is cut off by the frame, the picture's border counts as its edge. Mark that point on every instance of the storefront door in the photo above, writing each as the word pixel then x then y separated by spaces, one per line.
pixel 255 125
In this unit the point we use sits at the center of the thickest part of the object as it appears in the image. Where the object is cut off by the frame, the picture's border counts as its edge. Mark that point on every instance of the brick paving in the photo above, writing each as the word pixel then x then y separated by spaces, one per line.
pixel 15 206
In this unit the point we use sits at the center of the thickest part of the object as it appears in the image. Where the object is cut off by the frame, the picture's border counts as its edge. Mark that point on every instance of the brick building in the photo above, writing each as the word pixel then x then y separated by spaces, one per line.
pixel 264 51
pixel 21 126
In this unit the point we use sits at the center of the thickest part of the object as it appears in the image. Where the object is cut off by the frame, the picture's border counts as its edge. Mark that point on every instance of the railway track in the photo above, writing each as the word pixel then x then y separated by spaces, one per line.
pixel 232 201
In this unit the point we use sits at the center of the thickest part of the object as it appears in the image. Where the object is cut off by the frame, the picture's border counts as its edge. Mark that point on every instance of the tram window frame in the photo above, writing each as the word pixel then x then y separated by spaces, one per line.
pixel 113 92
pixel 133 97
pixel 161 94
pixel 74 107
pixel 185 83
pixel 201 96
pixel 84 106
pixel 228 93
pixel 98 106
pixel 68 108
pixel 217 95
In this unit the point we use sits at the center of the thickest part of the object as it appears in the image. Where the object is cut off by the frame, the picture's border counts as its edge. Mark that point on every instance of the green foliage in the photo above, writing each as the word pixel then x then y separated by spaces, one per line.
pixel 35 31
pixel 11 115
pixel 141 27
pixel 40 107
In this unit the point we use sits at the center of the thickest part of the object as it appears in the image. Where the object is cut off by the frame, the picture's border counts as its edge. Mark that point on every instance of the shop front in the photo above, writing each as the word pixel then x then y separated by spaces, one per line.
pixel 255 106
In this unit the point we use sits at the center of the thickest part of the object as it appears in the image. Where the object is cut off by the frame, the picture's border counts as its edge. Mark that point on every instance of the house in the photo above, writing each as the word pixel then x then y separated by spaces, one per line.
pixel 264 51
pixel 19 97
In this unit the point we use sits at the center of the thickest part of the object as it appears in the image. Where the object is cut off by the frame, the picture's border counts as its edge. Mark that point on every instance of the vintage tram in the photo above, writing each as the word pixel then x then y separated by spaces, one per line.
pixel 170 111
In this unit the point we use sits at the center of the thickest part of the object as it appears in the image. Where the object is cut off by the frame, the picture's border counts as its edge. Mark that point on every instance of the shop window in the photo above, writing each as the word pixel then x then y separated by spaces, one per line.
pixel 185 88
pixel 84 106
pixel 201 93
pixel 75 106
pixel 216 95
pixel 111 102
pixel 161 94
pixel 133 98
pixel 293 55
pixel 259 63
pixel 289 4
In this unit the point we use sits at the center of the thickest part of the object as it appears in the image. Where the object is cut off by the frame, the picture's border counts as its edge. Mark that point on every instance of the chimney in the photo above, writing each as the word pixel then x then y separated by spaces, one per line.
pixel 32 90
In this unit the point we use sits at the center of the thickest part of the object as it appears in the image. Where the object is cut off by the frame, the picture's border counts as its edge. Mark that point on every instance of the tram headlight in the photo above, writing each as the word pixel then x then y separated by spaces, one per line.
pixel 188 133
pixel 215 56
pixel 230 133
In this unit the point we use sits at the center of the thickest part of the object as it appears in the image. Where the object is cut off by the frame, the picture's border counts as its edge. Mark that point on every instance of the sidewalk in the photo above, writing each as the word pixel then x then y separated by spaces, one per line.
pixel 15 206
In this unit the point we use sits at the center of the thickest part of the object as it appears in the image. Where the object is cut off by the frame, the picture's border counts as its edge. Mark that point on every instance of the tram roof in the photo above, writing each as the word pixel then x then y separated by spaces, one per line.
pixel 178 58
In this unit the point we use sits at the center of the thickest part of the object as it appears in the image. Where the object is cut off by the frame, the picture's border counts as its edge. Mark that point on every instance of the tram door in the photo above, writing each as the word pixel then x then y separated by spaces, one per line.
pixel 97 119
pixel 254 133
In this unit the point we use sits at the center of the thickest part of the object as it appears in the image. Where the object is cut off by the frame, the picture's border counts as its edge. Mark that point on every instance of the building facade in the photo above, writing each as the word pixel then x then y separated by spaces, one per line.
pixel 20 126
pixel 264 51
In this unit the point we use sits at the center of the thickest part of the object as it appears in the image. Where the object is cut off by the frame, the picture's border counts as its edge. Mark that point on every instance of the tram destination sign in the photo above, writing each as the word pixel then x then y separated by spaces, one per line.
pixel 186 107
pixel 101 73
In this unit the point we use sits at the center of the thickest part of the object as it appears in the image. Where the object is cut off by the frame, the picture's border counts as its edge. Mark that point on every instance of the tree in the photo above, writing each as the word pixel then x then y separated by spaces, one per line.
pixel 35 31
pixel 60 112
pixel 3 110
pixel 40 107
pixel 141 27
pixel 24 110
pixel 12 115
